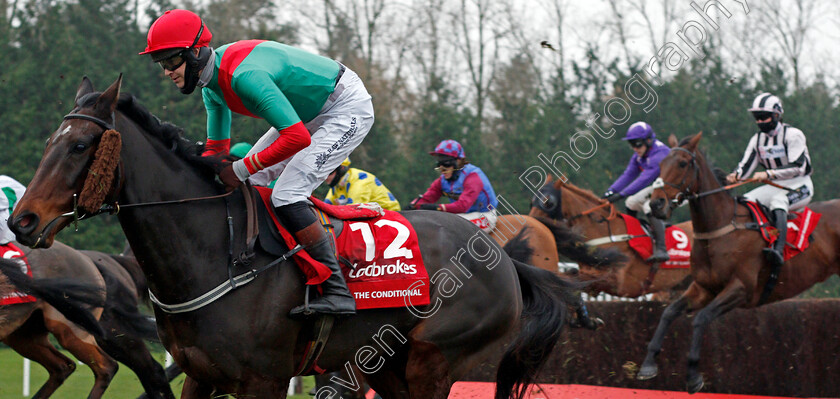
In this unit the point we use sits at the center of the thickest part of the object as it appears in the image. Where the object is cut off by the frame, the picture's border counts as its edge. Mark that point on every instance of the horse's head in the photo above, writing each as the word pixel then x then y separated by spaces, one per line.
pixel 678 176
pixel 67 177
pixel 547 201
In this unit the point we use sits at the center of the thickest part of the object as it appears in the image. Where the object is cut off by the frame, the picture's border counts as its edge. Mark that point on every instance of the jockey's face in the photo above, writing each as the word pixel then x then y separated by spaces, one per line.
pixel 177 75
pixel 639 146
pixel 446 166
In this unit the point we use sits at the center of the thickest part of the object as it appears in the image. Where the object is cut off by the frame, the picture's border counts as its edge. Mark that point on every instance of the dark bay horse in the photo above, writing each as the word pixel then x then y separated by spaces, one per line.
pixel 244 343
pixel 26 326
pixel 566 203
pixel 728 267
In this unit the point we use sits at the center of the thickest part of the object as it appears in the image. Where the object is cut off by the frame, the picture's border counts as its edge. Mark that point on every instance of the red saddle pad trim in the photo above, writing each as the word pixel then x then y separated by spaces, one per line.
pixel 316 272
pixel 799 228
pixel 676 241
pixel 345 212
pixel 11 251
pixel 392 275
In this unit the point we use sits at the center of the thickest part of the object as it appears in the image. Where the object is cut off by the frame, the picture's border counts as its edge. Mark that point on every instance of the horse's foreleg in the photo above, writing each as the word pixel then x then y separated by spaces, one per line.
pixel 83 345
pixel 36 346
pixel 649 368
pixel 196 390
pixel 731 297
pixel 133 353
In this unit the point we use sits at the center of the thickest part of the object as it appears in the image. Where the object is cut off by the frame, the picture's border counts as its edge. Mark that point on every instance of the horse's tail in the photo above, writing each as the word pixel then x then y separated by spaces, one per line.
pixel 545 299
pixel 517 248
pixel 122 309
pixel 573 246
pixel 71 298
pixel 129 263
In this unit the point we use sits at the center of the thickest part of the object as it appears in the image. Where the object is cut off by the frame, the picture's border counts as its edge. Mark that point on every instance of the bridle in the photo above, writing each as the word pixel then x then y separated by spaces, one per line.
pixel 114 208
pixel 552 206
pixel 683 188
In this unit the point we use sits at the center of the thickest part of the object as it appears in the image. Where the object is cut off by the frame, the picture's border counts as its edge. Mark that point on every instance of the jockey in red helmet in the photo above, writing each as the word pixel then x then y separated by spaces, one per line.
pixel 318 109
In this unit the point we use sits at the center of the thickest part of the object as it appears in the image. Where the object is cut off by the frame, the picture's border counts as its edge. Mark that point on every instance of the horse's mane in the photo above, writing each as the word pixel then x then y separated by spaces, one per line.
pixel 720 174
pixel 168 133
pixel 587 194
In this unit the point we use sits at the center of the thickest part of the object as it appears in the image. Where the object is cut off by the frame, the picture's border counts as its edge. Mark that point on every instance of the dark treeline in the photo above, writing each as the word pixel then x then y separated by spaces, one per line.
pixel 525 110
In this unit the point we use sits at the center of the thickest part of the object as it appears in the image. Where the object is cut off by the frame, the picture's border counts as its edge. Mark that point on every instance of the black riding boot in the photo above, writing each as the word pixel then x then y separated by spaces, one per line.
pixel 660 252
pixel 336 298
pixel 775 256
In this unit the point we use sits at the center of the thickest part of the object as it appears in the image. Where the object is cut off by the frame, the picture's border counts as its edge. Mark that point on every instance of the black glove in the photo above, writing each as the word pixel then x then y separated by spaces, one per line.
pixel 607 194
pixel 428 207
pixel 614 197
pixel 413 203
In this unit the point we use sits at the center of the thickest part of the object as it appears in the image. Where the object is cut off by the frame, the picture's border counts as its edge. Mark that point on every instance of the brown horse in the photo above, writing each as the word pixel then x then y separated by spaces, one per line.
pixel 567 203
pixel 727 264
pixel 244 343
pixel 26 326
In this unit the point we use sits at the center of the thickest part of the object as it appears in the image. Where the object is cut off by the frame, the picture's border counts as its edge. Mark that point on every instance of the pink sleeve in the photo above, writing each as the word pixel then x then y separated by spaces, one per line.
pixel 472 187
pixel 431 195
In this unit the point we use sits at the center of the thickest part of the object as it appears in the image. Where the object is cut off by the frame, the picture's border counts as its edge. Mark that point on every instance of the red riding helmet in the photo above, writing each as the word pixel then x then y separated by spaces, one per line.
pixel 177 29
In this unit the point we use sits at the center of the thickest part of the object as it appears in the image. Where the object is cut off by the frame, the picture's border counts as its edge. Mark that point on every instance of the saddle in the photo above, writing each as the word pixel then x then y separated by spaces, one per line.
pixel 276 240
pixel 676 240
pixel 801 224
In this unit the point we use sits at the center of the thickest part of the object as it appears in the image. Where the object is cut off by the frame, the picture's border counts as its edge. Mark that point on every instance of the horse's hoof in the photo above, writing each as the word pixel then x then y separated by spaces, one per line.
pixel 595 323
pixel 694 384
pixel 647 372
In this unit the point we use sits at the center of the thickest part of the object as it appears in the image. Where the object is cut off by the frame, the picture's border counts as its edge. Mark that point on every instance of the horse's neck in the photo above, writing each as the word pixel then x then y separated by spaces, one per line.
pixel 712 211
pixel 173 242
pixel 582 202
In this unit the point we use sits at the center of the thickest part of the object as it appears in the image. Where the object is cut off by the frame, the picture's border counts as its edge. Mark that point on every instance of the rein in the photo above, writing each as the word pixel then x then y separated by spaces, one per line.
pixel 245 258
pixel 683 188
pixel 613 212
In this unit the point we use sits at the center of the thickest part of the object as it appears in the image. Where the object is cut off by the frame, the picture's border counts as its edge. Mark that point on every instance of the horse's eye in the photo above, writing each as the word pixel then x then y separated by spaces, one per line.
pixel 79 148
pixel 683 164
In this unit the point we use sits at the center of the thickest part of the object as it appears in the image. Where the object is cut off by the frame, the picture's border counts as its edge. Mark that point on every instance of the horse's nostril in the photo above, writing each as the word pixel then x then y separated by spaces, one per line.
pixel 25 223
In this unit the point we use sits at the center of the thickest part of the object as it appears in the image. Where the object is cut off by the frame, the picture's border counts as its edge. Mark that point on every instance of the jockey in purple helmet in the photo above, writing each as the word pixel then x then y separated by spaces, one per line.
pixel 635 183
pixel 470 193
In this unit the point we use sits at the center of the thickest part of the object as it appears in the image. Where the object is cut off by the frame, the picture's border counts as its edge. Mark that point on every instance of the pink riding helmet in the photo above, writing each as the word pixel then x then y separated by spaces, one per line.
pixel 449 148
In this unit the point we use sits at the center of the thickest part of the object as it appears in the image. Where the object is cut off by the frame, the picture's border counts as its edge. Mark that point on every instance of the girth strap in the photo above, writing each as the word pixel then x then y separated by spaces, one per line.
pixel 721 231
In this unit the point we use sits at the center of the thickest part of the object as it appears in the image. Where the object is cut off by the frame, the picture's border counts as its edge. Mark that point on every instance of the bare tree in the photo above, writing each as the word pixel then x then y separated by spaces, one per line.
pixel 620 30
pixel 657 36
pixel 558 10
pixel 790 26
pixel 480 31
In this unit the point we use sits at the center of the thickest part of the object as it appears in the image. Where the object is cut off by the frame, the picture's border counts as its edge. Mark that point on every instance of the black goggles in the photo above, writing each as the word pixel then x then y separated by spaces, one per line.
pixel 638 143
pixel 760 116
pixel 173 62
pixel 447 163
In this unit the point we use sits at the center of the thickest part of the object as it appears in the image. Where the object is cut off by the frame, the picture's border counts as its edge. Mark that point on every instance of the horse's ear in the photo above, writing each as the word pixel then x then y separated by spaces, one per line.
pixel 107 102
pixel 548 179
pixel 84 88
pixel 692 144
pixel 673 141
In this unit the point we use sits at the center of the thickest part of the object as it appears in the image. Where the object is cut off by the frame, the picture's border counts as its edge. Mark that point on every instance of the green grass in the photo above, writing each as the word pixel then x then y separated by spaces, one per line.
pixel 124 385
